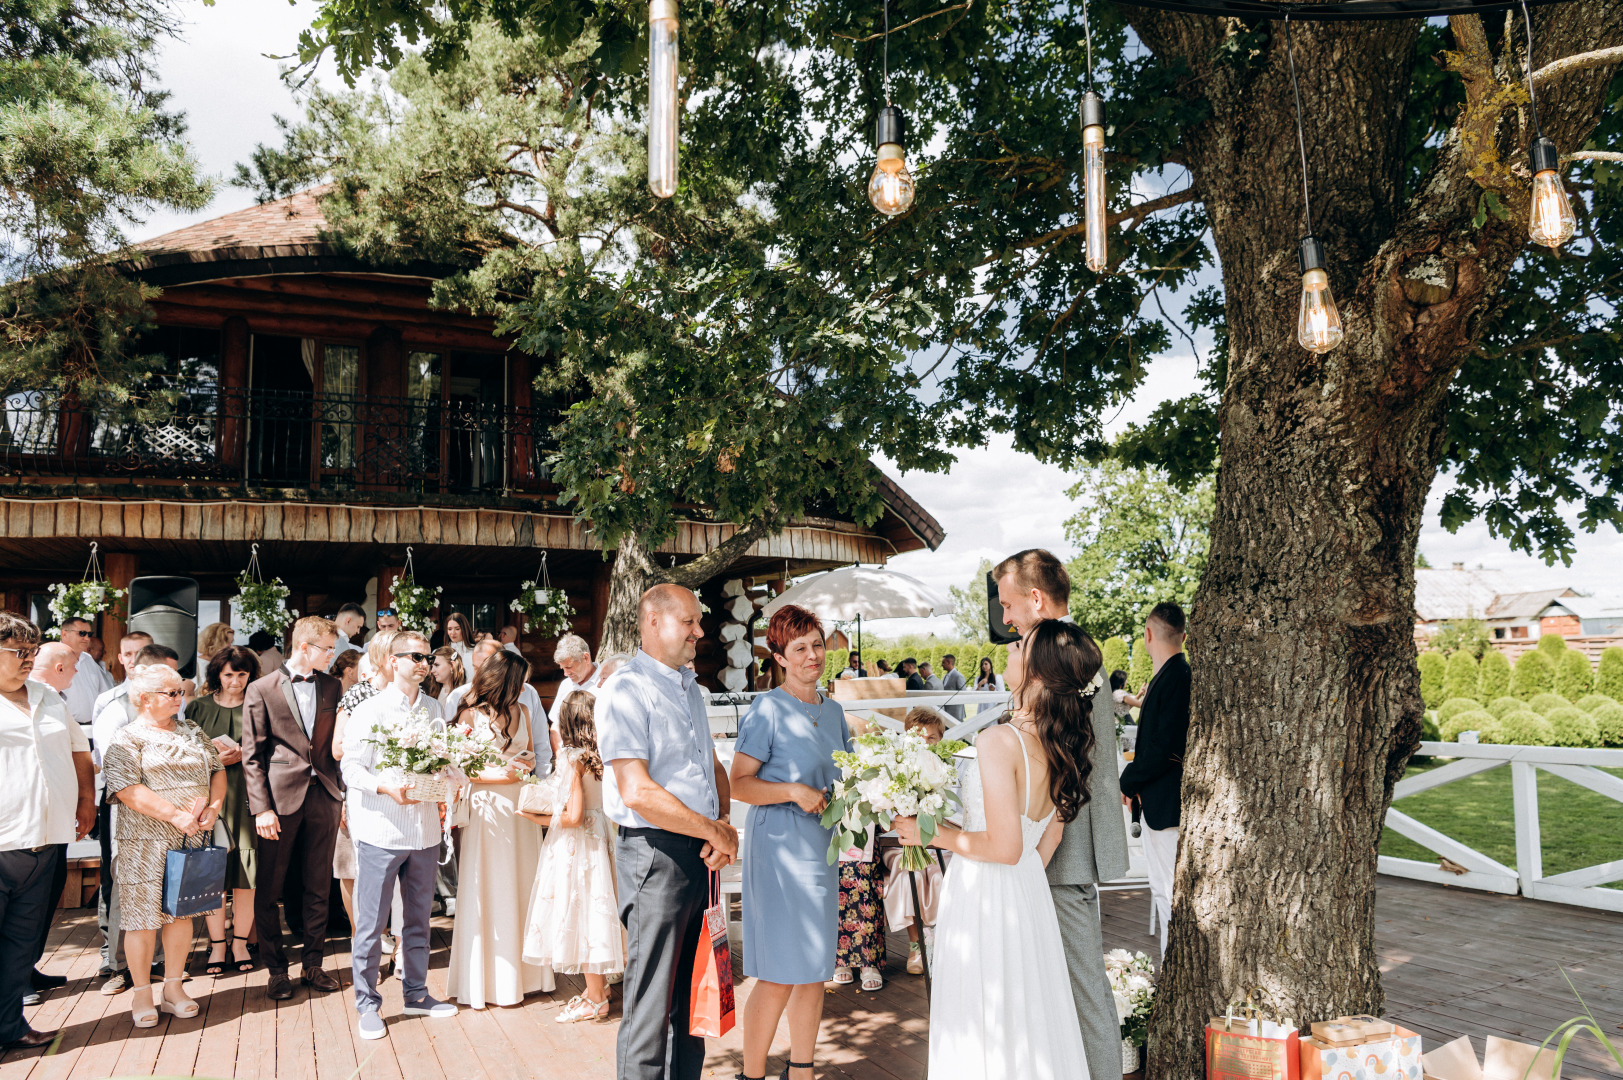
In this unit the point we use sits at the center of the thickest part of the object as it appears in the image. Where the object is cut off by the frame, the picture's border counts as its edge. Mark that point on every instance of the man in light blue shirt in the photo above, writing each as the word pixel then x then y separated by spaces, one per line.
pixel 668 793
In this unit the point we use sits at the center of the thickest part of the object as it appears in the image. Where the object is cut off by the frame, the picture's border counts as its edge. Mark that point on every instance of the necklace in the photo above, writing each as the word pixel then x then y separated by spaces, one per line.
pixel 816 708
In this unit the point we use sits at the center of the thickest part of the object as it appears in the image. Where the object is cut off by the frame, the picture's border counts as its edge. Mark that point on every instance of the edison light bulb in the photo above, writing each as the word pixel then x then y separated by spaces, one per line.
pixel 1318 326
pixel 890 188
pixel 1093 178
pixel 1552 223
pixel 662 56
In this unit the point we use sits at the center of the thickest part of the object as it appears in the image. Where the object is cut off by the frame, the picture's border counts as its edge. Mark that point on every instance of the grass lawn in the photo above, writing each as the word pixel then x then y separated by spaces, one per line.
pixel 1578 827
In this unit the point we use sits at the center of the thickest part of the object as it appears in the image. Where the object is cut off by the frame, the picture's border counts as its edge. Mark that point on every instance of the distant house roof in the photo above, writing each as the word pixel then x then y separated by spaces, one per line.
pixel 1525 605
pixel 1584 607
pixel 1440 595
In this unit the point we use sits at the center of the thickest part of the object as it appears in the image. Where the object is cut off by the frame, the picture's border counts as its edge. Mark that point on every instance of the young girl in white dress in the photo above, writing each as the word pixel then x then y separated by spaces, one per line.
pixel 574 921
pixel 1001 1003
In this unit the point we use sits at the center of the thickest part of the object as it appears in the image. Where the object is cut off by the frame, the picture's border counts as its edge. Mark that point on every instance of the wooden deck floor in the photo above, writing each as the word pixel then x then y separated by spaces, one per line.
pixel 1455 962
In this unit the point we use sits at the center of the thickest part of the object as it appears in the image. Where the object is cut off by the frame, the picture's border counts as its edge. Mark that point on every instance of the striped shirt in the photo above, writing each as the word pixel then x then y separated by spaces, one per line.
pixel 377 819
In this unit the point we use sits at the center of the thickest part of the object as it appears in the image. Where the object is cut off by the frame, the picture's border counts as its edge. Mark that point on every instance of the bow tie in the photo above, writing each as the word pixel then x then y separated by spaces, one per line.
pixel 302 678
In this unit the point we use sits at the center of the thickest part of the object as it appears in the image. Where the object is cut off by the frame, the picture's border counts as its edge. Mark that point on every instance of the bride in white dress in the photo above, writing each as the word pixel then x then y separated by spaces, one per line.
pixel 1001 1004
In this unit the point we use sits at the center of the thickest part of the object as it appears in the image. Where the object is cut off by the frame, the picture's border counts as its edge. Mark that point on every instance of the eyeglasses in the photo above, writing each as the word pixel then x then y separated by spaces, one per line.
pixel 81 633
pixel 169 693
pixel 415 657
pixel 22 654
pixel 385 611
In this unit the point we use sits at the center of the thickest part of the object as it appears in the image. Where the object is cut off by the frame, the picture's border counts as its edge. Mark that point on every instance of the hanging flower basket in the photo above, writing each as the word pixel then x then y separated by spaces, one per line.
pixel 414 603
pixel 260 604
pixel 83 599
pixel 546 610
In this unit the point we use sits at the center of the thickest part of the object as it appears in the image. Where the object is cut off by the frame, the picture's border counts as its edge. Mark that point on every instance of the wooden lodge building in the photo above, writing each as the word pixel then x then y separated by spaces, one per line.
pixel 330 416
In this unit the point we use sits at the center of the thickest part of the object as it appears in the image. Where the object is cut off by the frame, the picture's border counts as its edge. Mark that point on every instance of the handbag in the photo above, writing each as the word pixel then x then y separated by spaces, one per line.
pixel 541 796
pixel 193 879
pixel 712 1008
pixel 1250 1046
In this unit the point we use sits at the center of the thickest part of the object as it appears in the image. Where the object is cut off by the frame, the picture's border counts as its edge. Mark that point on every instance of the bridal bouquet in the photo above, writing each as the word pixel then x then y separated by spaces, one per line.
pixel 1132 983
pixel 424 752
pixel 890 775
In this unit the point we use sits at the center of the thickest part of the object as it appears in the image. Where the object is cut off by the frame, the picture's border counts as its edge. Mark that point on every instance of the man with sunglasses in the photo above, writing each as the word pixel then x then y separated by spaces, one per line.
pixel 90 679
pixel 388 619
pixel 397 840
pixel 296 795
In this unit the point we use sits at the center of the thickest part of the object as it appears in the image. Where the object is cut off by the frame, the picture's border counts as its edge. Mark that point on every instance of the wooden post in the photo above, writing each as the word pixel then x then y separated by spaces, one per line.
pixel 122 568
pixel 230 448
pixel 387 576
pixel 520 421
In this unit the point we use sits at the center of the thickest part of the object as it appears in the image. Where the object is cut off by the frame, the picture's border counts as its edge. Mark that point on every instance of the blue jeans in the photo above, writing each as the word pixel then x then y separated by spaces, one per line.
pixel 25 913
pixel 376 872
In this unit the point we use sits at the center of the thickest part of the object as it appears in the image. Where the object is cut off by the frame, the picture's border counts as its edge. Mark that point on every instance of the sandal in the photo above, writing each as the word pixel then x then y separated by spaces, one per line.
pixel 842 976
pixel 795 1065
pixel 581 1007
pixel 180 1010
pixel 872 981
pixel 143 1018
pixel 215 967
pixel 250 963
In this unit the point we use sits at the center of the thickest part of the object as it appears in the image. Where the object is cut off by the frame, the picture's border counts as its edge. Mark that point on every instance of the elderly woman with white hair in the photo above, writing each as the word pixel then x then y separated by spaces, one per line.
pixel 167 776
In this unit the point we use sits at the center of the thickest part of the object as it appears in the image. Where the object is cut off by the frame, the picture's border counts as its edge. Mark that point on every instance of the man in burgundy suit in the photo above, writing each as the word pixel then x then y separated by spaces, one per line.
pixel 295 795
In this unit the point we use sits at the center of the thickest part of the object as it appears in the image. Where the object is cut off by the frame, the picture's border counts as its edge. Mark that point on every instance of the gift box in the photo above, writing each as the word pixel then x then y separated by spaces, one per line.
pixel 1351 1030
pixel 1251 1049
pixel 1505 1059
pixel 1392 1056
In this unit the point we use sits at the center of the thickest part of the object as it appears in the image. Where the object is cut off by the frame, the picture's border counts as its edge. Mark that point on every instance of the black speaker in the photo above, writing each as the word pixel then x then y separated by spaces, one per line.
pixel 166 608
pixel 1000 632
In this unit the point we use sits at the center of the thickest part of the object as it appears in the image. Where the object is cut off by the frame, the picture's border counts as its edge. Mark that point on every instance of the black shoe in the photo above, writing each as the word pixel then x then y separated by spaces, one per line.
pixel 43 982
pixel 279 987
pixel 794 1065
pixel 317 979
pixel 33 1040
pixel 33 997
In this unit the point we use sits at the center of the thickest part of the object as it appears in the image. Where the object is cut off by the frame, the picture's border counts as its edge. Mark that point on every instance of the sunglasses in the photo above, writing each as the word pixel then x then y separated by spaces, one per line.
pixel 22 654
pixel 385 611
pixel 170 693
pixel 415 657
pixel 81 633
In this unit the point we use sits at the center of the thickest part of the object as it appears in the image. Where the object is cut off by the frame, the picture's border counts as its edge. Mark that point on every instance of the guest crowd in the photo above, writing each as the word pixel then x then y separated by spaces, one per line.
pixel 274 756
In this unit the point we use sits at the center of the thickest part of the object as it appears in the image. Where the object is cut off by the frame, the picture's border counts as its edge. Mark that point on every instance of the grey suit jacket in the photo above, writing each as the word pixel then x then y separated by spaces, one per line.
pixel 1094 847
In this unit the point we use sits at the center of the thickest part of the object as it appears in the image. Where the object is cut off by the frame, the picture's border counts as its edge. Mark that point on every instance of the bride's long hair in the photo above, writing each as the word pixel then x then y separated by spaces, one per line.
pixel 1061 663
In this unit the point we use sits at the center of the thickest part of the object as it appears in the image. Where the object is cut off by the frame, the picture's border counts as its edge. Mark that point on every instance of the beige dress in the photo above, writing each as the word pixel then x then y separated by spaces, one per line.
pixel 499 852
pixel 175 765
pixel 574 921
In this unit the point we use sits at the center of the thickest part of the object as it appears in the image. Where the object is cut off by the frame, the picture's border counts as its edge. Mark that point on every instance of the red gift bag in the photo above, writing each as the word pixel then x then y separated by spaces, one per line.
pixel 711 1007
pixel 1251 1047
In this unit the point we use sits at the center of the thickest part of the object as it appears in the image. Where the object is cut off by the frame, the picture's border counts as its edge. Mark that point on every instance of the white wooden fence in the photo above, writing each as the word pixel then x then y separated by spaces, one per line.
pixel 1581 767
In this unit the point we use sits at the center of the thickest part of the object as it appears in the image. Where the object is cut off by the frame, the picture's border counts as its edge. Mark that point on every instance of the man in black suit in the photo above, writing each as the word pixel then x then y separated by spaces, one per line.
pixel 910 670
pixel 296 796
pixel 1154 778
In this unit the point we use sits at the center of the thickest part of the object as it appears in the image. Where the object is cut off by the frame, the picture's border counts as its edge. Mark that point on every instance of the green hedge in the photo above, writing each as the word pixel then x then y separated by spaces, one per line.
pixel 1460 679
pixel 1432 666
pixel 1504 706
pixel 1543 703
pixel 1454 707
pixel 1472 720
pixel 1534 674
pixel 1573 727
pixel 1493 676
pixel 1609 673
pixel 1117 654
pixel 1590 702
pixel 1552 645
pixel 1609 722
pixel 1574 678
pixel 1523 728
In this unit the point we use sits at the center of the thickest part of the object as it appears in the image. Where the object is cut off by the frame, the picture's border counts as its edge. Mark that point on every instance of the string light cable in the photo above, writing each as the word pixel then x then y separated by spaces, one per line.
pixel 1318 322
pixel 890 188
pixel 1551 221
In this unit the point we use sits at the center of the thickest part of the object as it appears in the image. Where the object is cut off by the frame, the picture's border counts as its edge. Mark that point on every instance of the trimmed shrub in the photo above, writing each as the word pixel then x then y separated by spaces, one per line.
pixel 1432 666
pixel 1523 728
pixel 1573 727
pixel 1504 706
pixel 1472 720
pixel 1459 680
pixel 1552 645
pixel 1609 673
pixel 1574 678
pixel 1116 654
pixel 1609 721
pixel 1429 731
pixel 1138 671
pixel 1453 707
pixel 1000 658
pixel 1543 703
pixel 1493 676
pixel 1533 674
pixel 1590 702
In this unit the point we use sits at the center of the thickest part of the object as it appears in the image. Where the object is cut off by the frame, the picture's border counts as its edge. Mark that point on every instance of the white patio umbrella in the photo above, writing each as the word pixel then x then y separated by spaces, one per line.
pixel 856 593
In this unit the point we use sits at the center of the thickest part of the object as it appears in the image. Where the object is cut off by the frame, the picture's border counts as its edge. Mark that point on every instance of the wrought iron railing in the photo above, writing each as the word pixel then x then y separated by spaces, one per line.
pixel 279 438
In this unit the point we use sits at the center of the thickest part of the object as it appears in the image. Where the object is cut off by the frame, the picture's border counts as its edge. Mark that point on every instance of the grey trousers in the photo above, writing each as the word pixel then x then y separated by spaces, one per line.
pixel 376 872
pixel 664 887
pixel 1078 909
pixel 112 937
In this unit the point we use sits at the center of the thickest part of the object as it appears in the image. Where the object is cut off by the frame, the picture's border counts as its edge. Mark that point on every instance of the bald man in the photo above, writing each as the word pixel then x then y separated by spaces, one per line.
pixel 667 791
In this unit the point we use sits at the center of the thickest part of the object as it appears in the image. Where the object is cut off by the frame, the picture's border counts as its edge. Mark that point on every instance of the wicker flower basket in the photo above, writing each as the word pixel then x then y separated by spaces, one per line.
pixel 1130 1057
pixel 427 787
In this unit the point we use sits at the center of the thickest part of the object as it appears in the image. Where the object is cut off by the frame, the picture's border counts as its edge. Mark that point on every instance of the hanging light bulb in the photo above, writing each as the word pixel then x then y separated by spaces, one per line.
pixel 662 56
pixel 1552 222
pixel 1093 178
pixel 890 188
pixel 1318 325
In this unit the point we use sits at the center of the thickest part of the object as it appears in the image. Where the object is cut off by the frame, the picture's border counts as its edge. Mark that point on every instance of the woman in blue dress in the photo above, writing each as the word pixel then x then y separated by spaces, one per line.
pixel 783 766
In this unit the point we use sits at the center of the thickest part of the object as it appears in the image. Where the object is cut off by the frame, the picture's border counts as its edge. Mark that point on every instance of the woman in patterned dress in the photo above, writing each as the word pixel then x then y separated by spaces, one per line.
pixel 169 783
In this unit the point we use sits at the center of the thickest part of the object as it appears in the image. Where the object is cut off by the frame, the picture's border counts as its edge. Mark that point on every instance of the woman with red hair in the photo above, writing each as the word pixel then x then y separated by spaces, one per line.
pixel 783 766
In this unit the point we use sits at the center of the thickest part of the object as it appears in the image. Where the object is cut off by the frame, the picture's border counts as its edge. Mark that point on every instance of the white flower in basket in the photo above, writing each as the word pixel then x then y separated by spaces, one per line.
pixel 545 610
pixel 81 600
pixel 423 752
pixel 1132 985
pixel 886 776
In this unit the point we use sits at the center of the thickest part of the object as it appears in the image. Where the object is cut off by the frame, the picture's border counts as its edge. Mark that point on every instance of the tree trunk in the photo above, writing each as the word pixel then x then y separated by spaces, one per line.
pixel 1306 701
pixel 635 572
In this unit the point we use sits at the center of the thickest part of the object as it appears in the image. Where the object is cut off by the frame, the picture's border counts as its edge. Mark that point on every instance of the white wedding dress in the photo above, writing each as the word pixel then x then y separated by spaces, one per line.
pixel 1001 1006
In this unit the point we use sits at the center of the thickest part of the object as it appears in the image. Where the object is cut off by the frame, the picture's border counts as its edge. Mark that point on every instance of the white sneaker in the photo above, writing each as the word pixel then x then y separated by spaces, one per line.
pixel 370 1026
pixel 387 944
pixel 450 906
pixel 428 1006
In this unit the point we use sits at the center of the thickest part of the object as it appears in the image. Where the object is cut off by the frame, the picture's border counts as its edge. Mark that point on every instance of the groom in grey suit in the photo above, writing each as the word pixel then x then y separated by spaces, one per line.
pixel 1032 586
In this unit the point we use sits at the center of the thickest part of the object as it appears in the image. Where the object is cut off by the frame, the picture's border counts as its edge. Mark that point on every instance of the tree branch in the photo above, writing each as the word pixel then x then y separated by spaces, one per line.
pixel 1593 155
pixel 1577 62
pixel 904 26
pixel 1136 212
pixel 691 575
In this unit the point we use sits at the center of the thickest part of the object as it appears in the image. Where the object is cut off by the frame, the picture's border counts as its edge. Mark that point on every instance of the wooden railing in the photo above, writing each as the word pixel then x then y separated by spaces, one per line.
pixel 1582 767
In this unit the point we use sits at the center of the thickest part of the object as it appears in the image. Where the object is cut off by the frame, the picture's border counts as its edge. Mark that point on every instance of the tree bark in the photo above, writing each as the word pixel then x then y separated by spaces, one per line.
pixel 635 572
pixel 1306 701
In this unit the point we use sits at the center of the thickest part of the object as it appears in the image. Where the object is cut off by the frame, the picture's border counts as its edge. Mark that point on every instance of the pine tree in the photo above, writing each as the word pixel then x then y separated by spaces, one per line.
pixel 1609 673
pixel 1433 665
pixel 1574 678
pixel 1493 676
pixel 1533 674
pixel 1460 679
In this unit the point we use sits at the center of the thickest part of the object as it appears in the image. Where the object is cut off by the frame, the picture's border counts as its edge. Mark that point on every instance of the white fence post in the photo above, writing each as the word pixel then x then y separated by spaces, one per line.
pixel 1529 850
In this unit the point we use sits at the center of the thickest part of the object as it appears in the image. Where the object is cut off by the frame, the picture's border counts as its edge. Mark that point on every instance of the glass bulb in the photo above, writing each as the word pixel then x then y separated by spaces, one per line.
pixel 1093 178
pixel 1318 327
pixel 1552 223
pixel 662 57
pixel 890 188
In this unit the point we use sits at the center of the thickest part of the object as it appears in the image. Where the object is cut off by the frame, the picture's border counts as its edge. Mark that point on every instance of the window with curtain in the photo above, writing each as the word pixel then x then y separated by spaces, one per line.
pixel 423 372
pixel 340 378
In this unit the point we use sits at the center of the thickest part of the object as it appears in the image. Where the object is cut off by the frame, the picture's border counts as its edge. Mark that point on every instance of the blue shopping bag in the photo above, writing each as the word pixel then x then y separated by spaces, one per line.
pixel 193 880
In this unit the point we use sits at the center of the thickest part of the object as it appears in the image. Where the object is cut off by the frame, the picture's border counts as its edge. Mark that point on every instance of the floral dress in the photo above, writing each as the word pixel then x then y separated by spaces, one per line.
pixel 861 941
pixel 573 924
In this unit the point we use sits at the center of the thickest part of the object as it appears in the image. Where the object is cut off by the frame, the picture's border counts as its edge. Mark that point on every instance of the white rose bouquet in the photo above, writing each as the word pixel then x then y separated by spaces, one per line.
pixel 890 775
pixel 423 751
pixel 1132 983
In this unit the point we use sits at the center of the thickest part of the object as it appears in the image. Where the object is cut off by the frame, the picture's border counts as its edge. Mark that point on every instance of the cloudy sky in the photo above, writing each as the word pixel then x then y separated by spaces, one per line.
pixel 994 502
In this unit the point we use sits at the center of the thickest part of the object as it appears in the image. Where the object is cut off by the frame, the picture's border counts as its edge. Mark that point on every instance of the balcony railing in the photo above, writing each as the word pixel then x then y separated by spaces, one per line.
pixel 280 438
